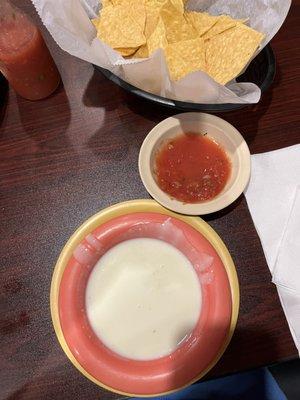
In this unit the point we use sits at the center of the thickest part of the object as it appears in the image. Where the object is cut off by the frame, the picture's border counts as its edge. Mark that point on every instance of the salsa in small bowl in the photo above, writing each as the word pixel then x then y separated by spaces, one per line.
pixel 194 163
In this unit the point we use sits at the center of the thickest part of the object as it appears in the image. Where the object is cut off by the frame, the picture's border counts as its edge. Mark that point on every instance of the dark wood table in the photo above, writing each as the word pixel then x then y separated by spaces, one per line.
pixel 63 159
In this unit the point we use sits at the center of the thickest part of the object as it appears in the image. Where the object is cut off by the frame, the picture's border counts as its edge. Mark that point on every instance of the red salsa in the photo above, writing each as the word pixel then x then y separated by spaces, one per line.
pixel 192 168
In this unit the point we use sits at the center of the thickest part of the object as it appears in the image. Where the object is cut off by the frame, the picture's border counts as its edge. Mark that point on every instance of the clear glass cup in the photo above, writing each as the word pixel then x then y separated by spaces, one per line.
pixel 24 57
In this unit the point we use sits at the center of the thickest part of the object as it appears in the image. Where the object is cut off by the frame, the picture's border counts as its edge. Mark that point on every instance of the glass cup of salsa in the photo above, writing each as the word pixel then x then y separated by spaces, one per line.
pixel 25 60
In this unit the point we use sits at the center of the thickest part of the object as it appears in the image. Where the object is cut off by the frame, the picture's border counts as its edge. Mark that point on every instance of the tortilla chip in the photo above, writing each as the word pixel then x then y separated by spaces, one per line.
pixel 142 52
pixel 118 2
pixel 229 52
pixel 106 3
pixel 185 57
pixel 153 8
pixel 126 51
pixel 223 23
pixel 156 40
pixel 119 28
pixel 178 4
pixel 137 5
pixel 152 17
pixel 202 22
pixel 138 10
pixel 154 3
pixel 177 27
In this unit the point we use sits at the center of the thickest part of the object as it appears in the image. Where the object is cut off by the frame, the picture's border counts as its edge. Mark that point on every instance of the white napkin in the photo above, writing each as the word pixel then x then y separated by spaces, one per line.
pixel 273 197
pixel 287 267
pixel 290 302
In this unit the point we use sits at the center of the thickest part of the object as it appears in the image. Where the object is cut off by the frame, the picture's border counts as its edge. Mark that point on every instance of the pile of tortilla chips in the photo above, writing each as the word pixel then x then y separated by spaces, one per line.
pixel 192 41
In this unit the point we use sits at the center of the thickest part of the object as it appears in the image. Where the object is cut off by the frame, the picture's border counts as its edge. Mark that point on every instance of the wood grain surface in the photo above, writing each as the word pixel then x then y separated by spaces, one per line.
pixel 63 159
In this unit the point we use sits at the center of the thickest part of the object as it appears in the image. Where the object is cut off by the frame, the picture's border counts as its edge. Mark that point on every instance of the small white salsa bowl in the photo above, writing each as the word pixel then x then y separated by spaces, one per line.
pixel 216 129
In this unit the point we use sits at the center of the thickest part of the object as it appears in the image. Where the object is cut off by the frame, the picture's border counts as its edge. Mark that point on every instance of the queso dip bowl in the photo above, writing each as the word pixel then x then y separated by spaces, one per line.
pixel 201 348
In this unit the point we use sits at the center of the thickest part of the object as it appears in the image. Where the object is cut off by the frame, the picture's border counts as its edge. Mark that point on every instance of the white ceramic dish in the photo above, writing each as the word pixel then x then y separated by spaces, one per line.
pixel 215 128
